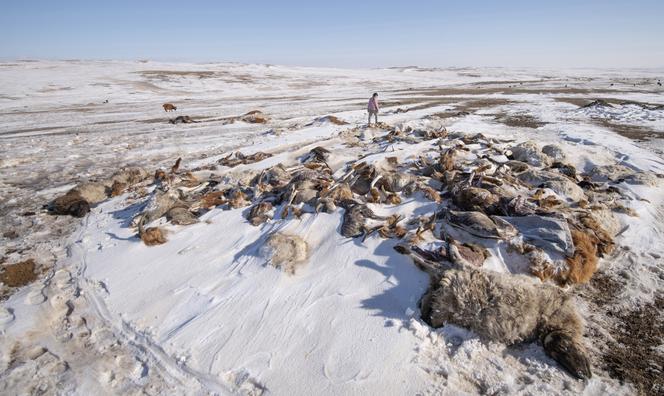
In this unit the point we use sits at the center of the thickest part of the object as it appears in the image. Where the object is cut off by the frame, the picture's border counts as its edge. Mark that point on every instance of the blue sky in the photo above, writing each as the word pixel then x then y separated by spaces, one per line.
pixel 341 33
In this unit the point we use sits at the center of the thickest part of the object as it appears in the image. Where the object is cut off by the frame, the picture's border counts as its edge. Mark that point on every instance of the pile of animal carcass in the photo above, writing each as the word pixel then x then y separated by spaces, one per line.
pixel 525 197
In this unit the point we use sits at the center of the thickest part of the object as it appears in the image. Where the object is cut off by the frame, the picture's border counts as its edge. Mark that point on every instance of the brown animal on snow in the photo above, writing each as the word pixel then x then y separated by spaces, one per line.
pixel 169 107
pixel 150 236
pixel 70 204
pixel 182 120
pixel 153 236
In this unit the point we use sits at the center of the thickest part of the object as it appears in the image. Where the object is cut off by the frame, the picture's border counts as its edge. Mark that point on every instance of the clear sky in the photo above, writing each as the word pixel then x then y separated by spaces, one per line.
pixel 556 33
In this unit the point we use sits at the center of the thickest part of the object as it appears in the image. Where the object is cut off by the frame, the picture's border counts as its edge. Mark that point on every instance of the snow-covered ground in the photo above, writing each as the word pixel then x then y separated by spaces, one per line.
pixel 203 313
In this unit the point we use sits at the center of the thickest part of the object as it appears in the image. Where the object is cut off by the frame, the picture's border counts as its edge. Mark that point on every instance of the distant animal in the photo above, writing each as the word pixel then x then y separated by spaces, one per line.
pixel 502 307
pixel 106 101
pixel 169 107
pixel 182 120
pixel 659 83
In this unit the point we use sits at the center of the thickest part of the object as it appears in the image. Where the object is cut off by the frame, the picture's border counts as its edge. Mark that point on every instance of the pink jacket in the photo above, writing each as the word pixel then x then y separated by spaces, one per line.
pixel 373 104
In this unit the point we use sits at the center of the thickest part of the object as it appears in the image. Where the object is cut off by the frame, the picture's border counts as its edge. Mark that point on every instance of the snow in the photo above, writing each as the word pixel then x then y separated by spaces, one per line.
pixel 204 313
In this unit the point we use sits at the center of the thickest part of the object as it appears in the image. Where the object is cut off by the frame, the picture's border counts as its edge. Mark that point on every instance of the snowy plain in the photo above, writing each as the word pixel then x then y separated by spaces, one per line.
pixel 203 313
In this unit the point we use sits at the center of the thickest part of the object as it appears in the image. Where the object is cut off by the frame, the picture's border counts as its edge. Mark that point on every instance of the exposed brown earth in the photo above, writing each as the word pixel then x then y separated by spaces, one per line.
pixel 19 274
pixel 634 355
pixel 634 132
pixel 520 121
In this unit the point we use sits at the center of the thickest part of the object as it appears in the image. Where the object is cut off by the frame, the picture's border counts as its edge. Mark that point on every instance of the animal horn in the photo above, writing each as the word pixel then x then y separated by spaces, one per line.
pixel 375 180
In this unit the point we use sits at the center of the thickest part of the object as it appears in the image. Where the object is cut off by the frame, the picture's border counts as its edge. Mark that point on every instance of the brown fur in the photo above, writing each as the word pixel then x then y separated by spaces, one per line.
pixel 605 242
pixel 153 236
pixel 169 107
pixel 447 160
pixel 118 188
pixel 238 199
pixel 540 265
pixel 545 202
pixel 341 193
pixel 620 208
pixel 476 199
pixel 176 167
pixel 254 117
pixel 159 175
pixel 214 198
pixel 393 199
pixel 333 119
pixel 374 196
pixel 431 194
pixel 257 214
pixel 583 264
pixel 70 204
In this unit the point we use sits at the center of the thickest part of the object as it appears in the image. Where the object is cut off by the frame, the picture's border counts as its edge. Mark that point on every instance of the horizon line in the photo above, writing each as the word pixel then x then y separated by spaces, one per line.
pixel 198 62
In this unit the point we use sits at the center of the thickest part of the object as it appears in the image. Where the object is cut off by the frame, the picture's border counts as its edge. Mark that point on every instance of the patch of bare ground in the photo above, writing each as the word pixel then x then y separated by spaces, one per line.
pixel 177 73
pixel 165 75
pixel 520 121
pixel 635 354
pixel 604 289
pixel 30 130
pixel 420 104
pixel 472 106
pixel 430 104
pixel 480 90
pixel 19 274
pixel 50 111
pixel 582 102
pixel 634 132
pixel 54 89
pixel 627 342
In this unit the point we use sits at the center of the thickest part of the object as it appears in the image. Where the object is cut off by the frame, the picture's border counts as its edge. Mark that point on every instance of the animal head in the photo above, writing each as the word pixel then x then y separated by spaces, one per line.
pixel 569 352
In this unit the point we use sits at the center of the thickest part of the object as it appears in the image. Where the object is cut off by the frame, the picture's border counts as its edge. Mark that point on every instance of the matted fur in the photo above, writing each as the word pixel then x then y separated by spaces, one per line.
pixel 70 204
pixel 118 188
pixel 447 160
pixel 583 264
pixel 286 252
pixel 258 214
pixel 153 236
pixel 503 307
pixel 511 309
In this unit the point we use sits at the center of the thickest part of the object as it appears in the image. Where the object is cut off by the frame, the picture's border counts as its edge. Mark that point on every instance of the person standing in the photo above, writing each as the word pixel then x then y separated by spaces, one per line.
pixel 372 108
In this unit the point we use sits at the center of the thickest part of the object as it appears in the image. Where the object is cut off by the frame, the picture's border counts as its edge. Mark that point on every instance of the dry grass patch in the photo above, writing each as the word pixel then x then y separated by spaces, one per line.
pixel 19 274
pixel 520 121
pixel 634 354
